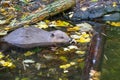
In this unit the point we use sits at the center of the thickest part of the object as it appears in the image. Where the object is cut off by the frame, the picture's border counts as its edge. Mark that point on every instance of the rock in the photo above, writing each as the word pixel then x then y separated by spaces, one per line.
pixel 92 10
pixel 112 17
pixel 29 37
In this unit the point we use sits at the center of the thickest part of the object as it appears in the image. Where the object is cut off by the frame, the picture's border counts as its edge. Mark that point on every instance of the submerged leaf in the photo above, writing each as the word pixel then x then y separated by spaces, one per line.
pixel 63 58
pixel 29 53
pixel 1 55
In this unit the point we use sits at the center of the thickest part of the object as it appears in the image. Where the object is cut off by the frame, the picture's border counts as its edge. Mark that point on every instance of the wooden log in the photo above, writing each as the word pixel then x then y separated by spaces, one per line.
pixel 50 10
pixel 95 54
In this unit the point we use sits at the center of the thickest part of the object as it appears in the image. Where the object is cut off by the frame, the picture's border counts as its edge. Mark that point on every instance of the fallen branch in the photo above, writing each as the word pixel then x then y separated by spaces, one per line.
pixel 50 10
pixel 95 53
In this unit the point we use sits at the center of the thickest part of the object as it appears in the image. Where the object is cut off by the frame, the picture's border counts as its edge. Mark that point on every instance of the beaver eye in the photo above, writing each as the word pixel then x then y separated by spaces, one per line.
pixel 52 35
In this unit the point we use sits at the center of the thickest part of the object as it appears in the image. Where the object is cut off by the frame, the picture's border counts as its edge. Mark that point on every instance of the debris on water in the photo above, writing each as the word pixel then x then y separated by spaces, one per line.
pixel 80 52
pixel 28 53
pixel 2 21
pixel 42 25
pixel 28 61
pixel 85 27
pixel 38 66
pixel 95 75
pixel 56 60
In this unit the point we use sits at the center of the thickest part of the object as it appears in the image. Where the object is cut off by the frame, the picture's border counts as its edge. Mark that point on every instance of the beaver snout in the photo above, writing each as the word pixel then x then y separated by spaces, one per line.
pixel 72 41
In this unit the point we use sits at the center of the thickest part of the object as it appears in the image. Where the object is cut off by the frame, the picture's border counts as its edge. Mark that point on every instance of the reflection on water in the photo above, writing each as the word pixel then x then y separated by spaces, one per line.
pixel 111 65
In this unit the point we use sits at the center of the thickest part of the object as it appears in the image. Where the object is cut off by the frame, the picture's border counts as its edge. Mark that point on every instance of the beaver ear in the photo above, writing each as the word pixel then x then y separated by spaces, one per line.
pixel 52 35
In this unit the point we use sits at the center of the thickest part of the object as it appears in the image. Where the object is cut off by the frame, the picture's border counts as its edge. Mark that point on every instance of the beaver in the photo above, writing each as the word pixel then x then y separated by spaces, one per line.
pixel 29 37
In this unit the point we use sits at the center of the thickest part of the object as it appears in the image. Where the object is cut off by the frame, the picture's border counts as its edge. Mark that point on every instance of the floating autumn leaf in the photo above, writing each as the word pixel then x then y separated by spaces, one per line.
pixel 116 24
pixel 80 52
pixel 67 65
pixel 63 58
pixel 80 60
pixel 29 53
pixel 42 25
pixel 83 40
pixel 47 21
pixel 52 24
pixel 2 10
pixel 1 55
pixel 12 23
pixel 59 23
pixel 85 27
pixel 76 28
pixel 75 36
pixel 62 23
pixel 5 3
pixel 85 35
pixel 71 47
pixel 114 4
pixel 28 61
pixel 3 32
pixel 7 64
pixel 2 21
pixel 7 28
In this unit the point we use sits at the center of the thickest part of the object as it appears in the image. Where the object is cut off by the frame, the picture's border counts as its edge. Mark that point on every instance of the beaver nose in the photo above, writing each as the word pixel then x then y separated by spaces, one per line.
pixel 72 41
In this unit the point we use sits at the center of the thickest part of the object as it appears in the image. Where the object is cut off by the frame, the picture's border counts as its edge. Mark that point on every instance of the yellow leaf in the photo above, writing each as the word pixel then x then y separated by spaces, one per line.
pixel 80 52
pixel 85 35
pixel 76 28
pixel 61 23
pixel 116 24
pixel 1 55
pixel 47 21
pixel 3 32
pixel 63 58
pixel 65 66
pixel 7 28
pixel 114 4
pixel 42 25
pixel 2 21
pixel 2 10
pixel 6 64
pixel 29 53
pixel 83 40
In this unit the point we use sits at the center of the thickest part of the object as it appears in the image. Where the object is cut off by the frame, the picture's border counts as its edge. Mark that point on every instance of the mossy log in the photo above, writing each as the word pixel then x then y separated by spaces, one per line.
pixel 50 10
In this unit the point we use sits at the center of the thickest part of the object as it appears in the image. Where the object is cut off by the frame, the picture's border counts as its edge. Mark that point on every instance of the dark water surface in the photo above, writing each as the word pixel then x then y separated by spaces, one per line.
pixel 111 65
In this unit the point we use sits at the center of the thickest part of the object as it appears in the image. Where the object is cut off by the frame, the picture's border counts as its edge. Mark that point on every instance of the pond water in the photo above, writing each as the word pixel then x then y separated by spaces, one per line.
pixel 56 62
pixel 111 65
